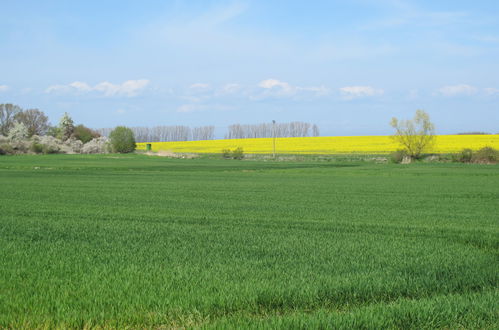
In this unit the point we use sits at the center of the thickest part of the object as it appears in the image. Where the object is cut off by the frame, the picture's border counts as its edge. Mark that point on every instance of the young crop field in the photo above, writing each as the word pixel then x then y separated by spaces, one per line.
pixel 133 241
pixel 324 145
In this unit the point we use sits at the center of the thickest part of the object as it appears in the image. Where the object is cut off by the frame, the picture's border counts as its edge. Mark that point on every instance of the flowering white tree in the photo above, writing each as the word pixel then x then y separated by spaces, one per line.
pixel 18 132
pixel 66 127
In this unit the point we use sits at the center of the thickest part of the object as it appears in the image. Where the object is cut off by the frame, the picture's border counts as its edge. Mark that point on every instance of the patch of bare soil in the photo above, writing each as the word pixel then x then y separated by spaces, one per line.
pixel 171 154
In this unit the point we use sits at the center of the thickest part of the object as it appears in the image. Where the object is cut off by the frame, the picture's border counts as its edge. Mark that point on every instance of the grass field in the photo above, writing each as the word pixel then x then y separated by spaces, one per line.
pixel 325 145
pixel 135 241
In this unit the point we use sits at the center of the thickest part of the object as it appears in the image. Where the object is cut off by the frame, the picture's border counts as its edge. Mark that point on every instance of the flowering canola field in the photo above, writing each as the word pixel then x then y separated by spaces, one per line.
pixel 323 144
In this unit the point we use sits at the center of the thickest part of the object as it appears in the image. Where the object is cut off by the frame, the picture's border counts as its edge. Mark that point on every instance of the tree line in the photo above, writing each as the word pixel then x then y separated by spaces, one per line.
pixel 235 131
pixel 268 130
pixel 168 133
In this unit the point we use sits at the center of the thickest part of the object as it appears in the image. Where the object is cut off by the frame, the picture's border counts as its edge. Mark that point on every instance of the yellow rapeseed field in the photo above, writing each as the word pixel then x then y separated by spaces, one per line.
pixel 323 145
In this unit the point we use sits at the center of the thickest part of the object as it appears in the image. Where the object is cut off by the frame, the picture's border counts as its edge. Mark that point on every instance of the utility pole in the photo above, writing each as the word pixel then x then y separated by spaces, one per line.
pixel 273 135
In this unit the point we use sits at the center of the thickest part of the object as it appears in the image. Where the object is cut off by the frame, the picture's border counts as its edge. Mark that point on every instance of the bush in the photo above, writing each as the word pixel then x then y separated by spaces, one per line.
pixel 84 134
pixel 486 155
pixel 50 149
pixel 226 153
pixel 465 156
pixel 37 148
pixel 6 149
pixel 99 145
pixel 122 140
pixel 53 131
pixel 398 156
pixel 237 153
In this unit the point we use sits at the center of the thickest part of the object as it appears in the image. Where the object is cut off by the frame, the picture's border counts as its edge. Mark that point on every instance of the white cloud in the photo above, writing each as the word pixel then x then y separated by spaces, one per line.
pixel 271 83
pixel 193 107
pixel 230 88
pixel 274 87
pixel 128 88
pixel 457 90
pixel 81 86
pixel 353 92
pixel 199 86
pixel 57 88
pixel 4 88
pixel 491 91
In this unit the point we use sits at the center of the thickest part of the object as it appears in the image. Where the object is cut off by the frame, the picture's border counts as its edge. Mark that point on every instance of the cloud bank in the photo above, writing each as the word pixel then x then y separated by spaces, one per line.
pixel 355 92
pixel 457 90
pixel 128 88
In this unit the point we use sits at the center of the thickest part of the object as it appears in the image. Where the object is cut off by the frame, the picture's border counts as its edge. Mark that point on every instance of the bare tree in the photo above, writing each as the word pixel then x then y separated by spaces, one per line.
pixel 315 130
pixel 168 133
pixel 7 117
pixel 415 135
pixel 35 121
pixel 203 133
pixel 267 130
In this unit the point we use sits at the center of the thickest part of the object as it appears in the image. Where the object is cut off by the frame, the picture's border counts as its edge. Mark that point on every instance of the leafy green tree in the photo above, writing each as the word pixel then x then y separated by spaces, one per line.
pixel 122 140
pixel 416 135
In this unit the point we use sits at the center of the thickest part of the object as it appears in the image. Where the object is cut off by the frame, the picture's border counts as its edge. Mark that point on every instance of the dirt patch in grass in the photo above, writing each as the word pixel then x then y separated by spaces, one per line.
pixel 171 154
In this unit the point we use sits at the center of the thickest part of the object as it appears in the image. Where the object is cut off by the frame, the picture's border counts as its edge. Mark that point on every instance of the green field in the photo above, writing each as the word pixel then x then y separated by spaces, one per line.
pixel 136 241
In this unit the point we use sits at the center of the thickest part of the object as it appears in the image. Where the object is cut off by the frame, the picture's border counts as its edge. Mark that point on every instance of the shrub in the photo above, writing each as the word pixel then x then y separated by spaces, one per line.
pixel 238 153
pixel 486 155
pixel 6 149
pixel 465 156
pixel 53 131
pixel 226 153
pixel 84 134
pixel 99 145
pixel 398 156
pixel 37 147
pixel 122 140
pixel 50 149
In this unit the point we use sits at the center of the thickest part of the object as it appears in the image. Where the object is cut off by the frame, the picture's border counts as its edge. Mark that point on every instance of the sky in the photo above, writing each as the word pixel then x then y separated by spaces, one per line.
pixel 347 66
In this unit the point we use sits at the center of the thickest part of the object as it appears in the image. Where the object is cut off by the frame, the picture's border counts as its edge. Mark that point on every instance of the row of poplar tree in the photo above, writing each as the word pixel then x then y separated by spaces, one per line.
pixel 235 131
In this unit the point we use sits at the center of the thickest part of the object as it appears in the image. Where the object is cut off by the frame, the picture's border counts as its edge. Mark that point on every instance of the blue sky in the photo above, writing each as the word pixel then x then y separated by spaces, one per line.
pixel 348 66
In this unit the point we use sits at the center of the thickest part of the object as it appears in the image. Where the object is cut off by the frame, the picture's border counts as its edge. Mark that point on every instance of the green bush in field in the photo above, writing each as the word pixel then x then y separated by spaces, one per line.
pixel 226 153
pixel 37 148
pixel 6 149
pixel 237 153
pixel 465 156
pixel 84 134
pixel 397 156
pixel 486 155
pixel 122 140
